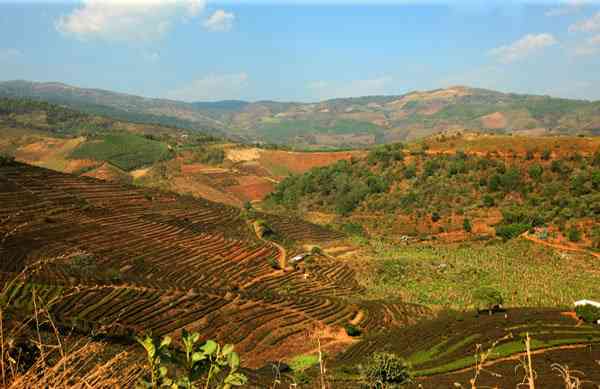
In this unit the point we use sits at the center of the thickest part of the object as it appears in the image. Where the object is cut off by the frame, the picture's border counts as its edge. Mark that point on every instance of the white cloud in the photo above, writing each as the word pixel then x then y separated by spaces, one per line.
pixel 570 7
pixel 524 47
pixel 219 21
pixel 587 25
pixel 590 47
pixel 212 87
pixel 10 54
pixel 126 20
pixel 327 89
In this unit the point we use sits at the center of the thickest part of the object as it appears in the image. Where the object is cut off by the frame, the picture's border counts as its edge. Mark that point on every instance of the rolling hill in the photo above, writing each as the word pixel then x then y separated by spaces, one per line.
pixel 337 123
pixel 184 161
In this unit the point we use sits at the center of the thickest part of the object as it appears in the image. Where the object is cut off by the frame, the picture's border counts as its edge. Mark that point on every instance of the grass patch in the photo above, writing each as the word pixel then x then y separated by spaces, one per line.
pixel 440 350
pixel 502 351
pixel 303 362
pixel 126 151
pixel 446 275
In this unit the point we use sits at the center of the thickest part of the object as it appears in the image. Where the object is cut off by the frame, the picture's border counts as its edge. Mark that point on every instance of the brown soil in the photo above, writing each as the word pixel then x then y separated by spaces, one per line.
pixel 298 162
pixel 494 120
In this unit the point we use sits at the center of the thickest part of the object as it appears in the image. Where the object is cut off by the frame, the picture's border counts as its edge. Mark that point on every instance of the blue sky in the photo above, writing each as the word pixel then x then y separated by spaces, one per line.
pixel 303 50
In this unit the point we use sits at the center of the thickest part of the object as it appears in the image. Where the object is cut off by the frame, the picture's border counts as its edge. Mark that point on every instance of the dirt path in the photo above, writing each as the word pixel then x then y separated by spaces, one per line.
pixel 558 246
pixel 282 250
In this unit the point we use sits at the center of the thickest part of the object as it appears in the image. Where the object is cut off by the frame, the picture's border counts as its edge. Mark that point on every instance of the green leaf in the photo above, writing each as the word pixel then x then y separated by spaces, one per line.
pixel 166 341
pixel 210 347
pixel 163 371
pixel 236 379
pixel 198 356
pixel 195 337
pixel 227 349
pixel 233 360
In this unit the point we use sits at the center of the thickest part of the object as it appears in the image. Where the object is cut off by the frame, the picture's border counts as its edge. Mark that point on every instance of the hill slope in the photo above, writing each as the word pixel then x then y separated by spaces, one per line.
pixel 350 122
pixel 460 186
pixel 119 260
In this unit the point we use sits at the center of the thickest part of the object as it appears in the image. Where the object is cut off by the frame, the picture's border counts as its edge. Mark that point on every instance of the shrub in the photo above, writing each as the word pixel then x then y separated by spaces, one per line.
pixel 6 160
pixel 535 171
pixel 546 154
pixel 574 234
pixel 384 369
pixel 588 313
pixel 509 231
pixel 488 201
pixel 316 250
pixel 487 299
pixel 410 171
pixel 352 330
pixel 435 217
pixel 353 229
pixel 467 225
pixel 273 263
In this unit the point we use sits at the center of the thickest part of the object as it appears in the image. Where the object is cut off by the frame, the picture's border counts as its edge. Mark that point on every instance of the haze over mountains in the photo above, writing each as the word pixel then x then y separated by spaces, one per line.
pixel 337 123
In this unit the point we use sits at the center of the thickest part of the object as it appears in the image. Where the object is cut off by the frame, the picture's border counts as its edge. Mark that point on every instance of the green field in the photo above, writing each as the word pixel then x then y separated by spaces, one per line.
pixel 126 151
pixel 445 276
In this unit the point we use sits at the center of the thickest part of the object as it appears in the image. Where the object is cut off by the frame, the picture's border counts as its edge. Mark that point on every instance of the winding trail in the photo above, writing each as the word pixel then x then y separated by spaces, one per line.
pixel 282 250
pixel 558 246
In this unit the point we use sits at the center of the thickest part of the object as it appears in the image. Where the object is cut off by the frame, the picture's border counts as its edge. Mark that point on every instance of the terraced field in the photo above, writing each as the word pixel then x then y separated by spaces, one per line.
pixel 442 351
pixel 115 260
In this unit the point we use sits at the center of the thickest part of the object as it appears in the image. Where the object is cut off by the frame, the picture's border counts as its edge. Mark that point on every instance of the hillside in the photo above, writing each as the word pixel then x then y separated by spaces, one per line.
pixel 461 186
pixel 184 161
pixel 110 261
pixel 349 122
pixel 123 260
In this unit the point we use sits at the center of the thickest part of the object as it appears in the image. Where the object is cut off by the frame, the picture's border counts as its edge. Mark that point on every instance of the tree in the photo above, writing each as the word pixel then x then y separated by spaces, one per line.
pixel 487 299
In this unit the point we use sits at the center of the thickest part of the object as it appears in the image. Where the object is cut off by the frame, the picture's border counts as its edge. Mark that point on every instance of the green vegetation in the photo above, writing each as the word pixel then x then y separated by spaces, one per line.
pixel 352 330
pixel 201 362
pixel 588 313
pixel 383 187
pixel 487 299
pixel 447 275
pixel 386 370
pixel 342 185
pixel 303 362
pixel 285 131
pixel 126 151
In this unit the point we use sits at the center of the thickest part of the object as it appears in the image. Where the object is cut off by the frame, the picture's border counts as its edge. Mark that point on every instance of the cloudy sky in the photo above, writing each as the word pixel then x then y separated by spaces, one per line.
pixel 200 50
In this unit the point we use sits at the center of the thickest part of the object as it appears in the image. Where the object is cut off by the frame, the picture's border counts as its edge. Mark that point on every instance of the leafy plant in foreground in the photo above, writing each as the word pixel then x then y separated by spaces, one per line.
pixel 207 362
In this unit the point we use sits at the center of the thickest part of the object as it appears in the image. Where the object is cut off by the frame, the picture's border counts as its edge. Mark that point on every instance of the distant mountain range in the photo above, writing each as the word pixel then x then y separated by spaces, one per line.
pixel 337 123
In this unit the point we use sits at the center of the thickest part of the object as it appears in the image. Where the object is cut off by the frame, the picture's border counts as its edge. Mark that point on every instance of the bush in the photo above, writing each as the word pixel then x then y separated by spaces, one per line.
pixel 435 217
pixel 6 160
pixel 588 313
pixel 384 369
pixel 488 201
pixel 467 225
pixel 574 234
pixel 352 330
pixel 509 231
pixel 546 155
pixel 273 263
pixel 487 299
pixel 316 250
